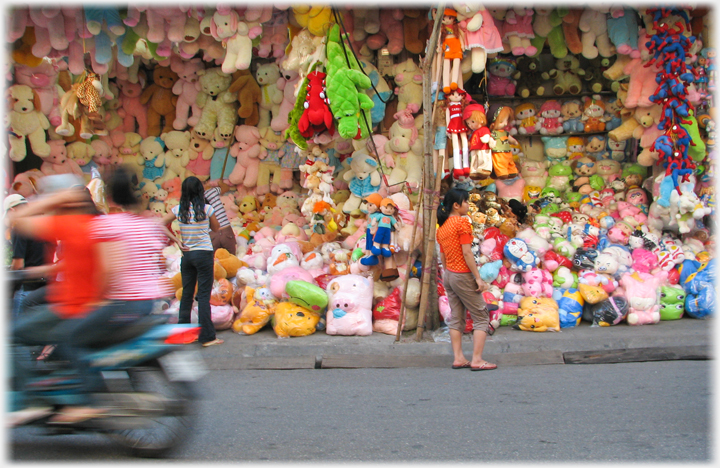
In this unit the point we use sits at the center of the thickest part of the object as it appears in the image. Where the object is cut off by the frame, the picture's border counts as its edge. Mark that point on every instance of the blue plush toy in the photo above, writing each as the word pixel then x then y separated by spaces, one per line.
pixel 517 251
pixel 570 308
pixel 700 289
pixel 490 271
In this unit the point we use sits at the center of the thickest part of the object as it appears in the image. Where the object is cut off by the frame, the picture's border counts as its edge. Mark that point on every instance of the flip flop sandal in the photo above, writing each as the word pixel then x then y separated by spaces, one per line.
pixel 46 352
pixel 216 341
pixel 462 366
pixel 485 366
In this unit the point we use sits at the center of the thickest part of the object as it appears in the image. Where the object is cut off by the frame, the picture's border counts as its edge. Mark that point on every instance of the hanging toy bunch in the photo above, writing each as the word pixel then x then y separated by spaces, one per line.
pixel 669 47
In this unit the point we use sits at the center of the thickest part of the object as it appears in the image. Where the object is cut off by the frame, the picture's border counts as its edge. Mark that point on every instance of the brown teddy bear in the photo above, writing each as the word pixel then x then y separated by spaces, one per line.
pixel 248 95
pixel 160 100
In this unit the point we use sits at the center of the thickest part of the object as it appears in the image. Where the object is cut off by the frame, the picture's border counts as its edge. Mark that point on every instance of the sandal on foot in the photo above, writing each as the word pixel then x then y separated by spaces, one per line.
pixel 216 341
pixel 462 366
pixel 46 352
pixel 484 366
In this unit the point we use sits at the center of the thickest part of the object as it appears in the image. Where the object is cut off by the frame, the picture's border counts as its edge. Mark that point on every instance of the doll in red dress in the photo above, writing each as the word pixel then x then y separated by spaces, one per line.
pixel 479 146
pixel 456 129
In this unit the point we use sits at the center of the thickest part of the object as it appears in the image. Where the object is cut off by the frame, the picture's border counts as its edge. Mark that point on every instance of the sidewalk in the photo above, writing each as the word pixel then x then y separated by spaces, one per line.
pixel 680 339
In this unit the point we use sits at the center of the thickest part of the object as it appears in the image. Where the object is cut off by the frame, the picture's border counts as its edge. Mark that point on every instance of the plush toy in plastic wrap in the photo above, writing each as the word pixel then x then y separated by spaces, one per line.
pixel 700 289
pixel 306 295
pixel 570 308
pixel 538 314
pixel 386 313
pixel 672 302
pixel 350 305
pixel 607 313
pixel 293 320
pixel 522 258
pixel 256 314
pixel 642 291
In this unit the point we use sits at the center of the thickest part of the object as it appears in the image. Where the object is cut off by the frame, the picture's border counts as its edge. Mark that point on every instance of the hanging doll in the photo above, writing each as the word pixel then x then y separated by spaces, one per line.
pixel 452 48
pixel 502 157
pixel 372 205
pixel 455 101
pixel 479 146
pixel 384 223
pixel 440 137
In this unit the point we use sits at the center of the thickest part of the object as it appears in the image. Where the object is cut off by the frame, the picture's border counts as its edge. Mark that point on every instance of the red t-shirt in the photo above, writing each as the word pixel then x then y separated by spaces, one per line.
pixel 454 232
pixel 78 283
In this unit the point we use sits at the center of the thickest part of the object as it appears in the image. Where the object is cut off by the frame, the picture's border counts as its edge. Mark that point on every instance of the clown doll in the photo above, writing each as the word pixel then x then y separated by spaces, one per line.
pixel 452 49
pixel 479 146
pixel 457 130
pixel 501 144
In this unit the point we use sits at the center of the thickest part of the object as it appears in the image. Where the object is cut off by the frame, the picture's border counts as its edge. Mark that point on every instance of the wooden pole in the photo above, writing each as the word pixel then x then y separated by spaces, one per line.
pixel 428 179
pixel 411 260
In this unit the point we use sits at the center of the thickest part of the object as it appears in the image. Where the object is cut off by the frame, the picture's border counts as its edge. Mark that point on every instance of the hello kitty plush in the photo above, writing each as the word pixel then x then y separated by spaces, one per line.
pixel 551 118
pixel 538 283
pixel 641 290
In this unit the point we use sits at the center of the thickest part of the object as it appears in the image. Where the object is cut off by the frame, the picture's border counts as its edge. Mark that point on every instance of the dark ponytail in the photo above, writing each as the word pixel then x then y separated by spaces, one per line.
pixel 451 197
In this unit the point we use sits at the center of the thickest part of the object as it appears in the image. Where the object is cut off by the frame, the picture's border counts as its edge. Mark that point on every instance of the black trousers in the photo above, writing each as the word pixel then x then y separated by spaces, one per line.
pixel 196 266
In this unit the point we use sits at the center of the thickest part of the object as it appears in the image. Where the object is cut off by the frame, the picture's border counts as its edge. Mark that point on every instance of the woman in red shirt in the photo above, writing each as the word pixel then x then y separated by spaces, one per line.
pixel 462 279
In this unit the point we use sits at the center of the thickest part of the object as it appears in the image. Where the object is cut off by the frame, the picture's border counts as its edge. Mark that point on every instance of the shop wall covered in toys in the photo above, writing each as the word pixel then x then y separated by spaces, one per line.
pixel 586 136
pixel 308 118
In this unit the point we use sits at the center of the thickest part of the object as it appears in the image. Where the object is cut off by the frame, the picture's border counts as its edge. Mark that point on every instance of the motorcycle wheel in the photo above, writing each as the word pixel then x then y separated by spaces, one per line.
pixel 163 432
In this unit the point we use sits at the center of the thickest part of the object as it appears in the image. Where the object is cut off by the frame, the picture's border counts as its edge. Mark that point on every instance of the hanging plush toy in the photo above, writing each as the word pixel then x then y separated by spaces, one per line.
pixel 452 48
pixel 316 118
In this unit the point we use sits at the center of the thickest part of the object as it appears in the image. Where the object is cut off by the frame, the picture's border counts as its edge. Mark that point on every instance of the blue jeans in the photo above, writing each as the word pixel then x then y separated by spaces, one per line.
pixel 197 266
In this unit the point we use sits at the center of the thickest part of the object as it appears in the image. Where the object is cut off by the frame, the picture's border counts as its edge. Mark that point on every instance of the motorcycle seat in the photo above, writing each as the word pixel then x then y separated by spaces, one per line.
pixel 130 331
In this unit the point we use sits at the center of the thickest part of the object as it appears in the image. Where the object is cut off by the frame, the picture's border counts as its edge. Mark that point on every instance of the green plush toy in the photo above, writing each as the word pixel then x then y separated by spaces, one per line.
pixel 672 302
pixel 697 152
pixel 293 131
pixel 307 295
pixel 547 26
pixel 344 89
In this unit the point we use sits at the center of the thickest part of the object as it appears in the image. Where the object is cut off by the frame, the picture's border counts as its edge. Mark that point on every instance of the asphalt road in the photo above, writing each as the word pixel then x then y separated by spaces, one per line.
pixel 657 411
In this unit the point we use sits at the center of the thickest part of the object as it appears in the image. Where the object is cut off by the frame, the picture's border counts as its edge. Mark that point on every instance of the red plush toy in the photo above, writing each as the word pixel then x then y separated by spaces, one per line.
pixel 316 117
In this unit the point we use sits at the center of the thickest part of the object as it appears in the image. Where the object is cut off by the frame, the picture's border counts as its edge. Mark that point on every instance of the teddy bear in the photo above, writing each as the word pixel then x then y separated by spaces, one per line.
pixel 221 164
pixel 26 122
pixel 572 111
pixel 595 146
pixel 363 179
pixel 547 26
pixel 152 157
pixel 135 111
pixel 160 101
pixel 408 77
pixel 274 36
pixel 248 153
pixel 642 82
pixel 287 83
pixel 58 162
pixel 200 153
pixel 594 33
pixel 302 49
pixel 236 36
pixel 390 33
pixel 176 155
pixel 405 145
pixel 500 81
pixel 129 152
pixel 529 77
pixel 272 177
pixel 248 96
pixel 415 29
pixel 565 75
pixel 104 156
pixel 44 80
pixel 187 111
pixel 267 76
pixel 218 104
pixel 173 187
pixel 82 153
pixel 571 29
pixel 157 208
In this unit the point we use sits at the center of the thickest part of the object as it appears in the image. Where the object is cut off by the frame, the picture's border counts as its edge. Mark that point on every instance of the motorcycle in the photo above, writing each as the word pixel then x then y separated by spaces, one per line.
pixel 148 390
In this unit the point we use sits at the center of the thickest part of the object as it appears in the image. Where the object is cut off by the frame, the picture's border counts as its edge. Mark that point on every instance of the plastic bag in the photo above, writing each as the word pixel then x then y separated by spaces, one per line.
pixel 444 306
pixel 294 320
pixel 324 280
pixel 609 312
pixel 388 308
pixel 442 334
pixel 222 292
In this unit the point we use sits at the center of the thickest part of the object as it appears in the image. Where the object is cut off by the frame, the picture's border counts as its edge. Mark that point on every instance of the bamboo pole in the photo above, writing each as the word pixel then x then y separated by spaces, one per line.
pixel 411 260
pixel 428 179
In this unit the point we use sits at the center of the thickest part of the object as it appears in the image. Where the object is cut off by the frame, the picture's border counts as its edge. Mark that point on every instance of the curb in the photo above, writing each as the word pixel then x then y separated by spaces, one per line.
pixel 394 361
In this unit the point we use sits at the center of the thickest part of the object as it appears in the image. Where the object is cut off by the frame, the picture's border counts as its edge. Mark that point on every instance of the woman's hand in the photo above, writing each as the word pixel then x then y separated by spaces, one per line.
pixel 183 247
pixel 481 285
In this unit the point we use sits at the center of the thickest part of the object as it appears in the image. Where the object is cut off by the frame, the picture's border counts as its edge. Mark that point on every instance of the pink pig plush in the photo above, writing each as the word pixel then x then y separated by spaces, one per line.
pixel 350 305
pixel 538 283
pixel 641 290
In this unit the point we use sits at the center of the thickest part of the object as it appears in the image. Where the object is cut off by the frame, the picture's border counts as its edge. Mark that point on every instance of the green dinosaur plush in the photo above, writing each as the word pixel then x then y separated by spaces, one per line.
pixel 697 152
pixel 344 89
pixel 294 116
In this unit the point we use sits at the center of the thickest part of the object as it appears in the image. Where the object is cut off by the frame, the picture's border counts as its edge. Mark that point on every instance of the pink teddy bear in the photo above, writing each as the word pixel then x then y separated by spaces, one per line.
pixel 249 152
pixel 187 111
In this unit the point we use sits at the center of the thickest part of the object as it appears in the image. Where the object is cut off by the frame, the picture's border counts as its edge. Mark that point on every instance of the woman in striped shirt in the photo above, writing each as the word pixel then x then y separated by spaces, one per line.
pixel 196 219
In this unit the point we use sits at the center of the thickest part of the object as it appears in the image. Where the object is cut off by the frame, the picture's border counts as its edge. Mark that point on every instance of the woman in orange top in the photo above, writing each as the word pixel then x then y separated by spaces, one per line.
pixel 462 279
